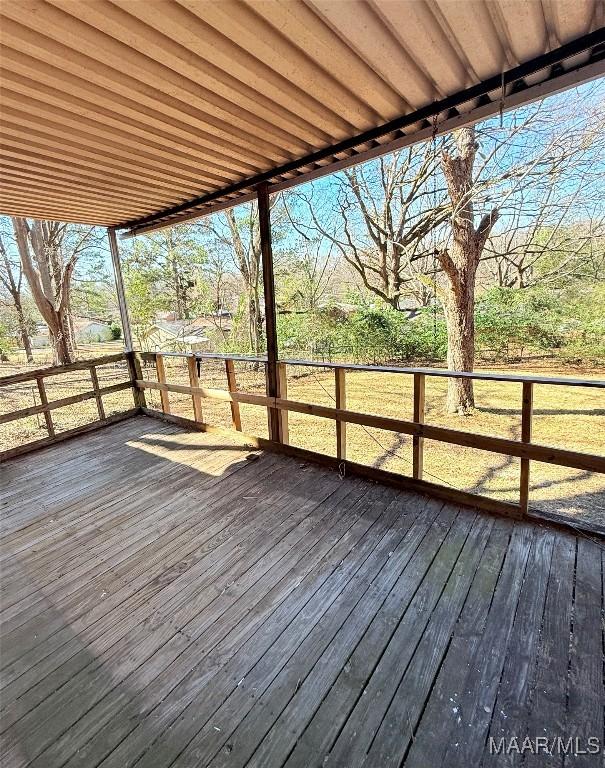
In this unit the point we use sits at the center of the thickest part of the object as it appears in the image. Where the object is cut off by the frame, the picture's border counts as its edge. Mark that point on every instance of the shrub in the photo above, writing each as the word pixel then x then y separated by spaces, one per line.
pixel 510 322
pixel 115 330
pixel 369 335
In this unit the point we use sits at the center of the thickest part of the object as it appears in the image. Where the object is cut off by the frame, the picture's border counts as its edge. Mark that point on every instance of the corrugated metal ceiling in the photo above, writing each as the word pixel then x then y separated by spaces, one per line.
pixel 115 112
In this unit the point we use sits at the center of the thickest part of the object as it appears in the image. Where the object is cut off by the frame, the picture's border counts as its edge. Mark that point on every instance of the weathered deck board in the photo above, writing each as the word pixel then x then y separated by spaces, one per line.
pixel 173 599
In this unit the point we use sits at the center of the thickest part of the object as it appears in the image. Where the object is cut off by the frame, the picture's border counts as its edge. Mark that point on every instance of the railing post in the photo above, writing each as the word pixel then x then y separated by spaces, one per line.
pixel 134 366
pixel 527 407
pixel 95 387
pixel 264 218
pixel 164 399
pixel 50 427
pixel 341 402
pixel 418 417
pixel 282 392
pixel 236 420
pixel 194 381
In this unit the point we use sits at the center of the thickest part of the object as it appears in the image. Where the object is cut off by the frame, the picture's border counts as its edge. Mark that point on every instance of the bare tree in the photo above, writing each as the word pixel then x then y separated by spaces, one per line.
pixel 48 261
pixel 306 276
pixel 548 250
pixel 39 245
pixel 237 233
pixel 11 277
pixel 537 170
pixel 420 222
pixel 459 263
pixel 382 217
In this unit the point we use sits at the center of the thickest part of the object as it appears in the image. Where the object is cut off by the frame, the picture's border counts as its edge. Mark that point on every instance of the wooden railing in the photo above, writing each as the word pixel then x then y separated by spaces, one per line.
pixel 416 427
pixel 279 407
pixel 46 406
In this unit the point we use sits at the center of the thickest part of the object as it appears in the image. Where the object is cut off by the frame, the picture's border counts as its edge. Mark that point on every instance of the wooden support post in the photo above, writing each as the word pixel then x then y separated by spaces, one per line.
pixel 95 386
pixel 264 217
pixel 526 424
pixel 341 402
pixel 134 366
pixel 164 399
pixel 123 306
pixel 418 417
pixel 282 391
pixel 236 420
pixel 195 382
pixel 50 427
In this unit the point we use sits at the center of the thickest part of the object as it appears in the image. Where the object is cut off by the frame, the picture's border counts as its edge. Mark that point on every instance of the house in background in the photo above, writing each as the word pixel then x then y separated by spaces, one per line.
pixel 205 333
pixel 164 335
pixel 86 330
pixel 90 331
pixel 40 338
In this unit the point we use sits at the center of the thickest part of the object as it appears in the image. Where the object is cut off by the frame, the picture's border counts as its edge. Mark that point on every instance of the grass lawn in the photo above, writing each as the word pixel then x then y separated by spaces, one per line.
pixel 566 417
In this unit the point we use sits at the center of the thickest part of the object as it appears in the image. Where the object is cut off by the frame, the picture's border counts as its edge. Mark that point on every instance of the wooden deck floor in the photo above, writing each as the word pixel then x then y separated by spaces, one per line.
pixel 169 598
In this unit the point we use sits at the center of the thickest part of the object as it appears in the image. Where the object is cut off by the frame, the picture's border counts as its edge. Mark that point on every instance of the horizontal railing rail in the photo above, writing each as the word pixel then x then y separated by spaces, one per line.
pixel 568 381
pixel 46 406
pixel 279 407
pixel 524 449
pixel 55 370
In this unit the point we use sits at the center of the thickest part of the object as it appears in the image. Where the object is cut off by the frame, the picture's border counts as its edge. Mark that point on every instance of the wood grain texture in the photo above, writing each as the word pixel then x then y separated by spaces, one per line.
pixel 177 597
pixel 527 407
pixel 236 420
pixel 418 417
pixel 194 382
pixel 161 373
pixel 340 400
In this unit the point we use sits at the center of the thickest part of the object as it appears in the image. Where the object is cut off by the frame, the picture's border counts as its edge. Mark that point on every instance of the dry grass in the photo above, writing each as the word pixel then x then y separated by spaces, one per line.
pixel 24 395
pixel 565 417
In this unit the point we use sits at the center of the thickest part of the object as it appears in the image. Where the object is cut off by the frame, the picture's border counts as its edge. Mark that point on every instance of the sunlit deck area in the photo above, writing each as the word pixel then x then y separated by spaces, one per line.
pixel 171 597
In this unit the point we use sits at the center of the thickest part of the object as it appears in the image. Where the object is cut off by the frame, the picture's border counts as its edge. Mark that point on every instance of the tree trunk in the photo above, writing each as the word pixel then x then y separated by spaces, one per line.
pixel 67 332
pixel 460 320
pixel 63 352
pixel 27 345
pixel 52 301
pixel 460 267
pixel 59 339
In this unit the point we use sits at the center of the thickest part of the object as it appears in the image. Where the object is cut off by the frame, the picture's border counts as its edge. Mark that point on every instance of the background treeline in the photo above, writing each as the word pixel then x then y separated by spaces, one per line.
pixel 512 326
